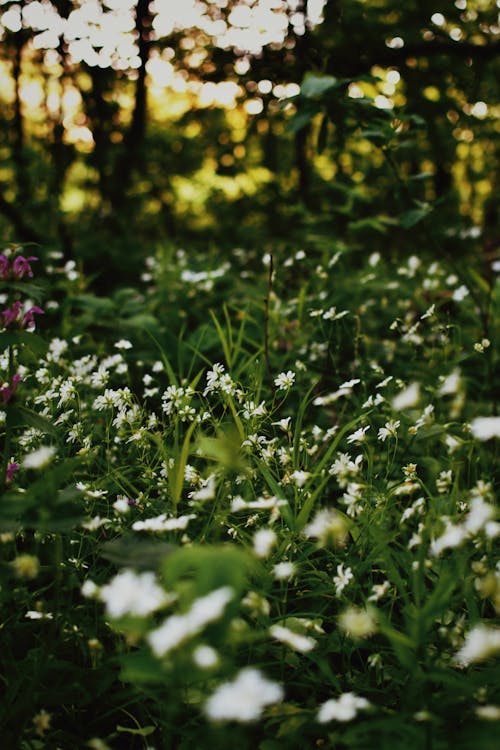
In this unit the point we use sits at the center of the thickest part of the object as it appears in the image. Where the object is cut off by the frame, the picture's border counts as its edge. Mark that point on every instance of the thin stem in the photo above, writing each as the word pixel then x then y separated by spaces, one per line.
pixel 8 422
pixel 266 323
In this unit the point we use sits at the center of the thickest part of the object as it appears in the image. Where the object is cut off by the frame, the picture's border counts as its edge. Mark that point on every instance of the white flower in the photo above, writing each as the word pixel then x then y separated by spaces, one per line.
pixel 33 614
pixel 121 505
pixel 206 491
pixel 358 623
pixel 263 542
pixel 407 398
pixel 359 436
pixel 379 590
pixel 243 699
pixel 162 523
pixel 284 424
pixel 123 344
pixel 284 380
pixel 489 712
pixel 478 516
pixel 95 523
pixel 262 503
pixel 179 628
pixel 460 293
pixel 326 526
pixel 389 430
pixel 130 593
pixel 344 466
pixel 283 570
pixel 205 657
pixel 299 477
pixel 480 643
pixel 343 708
pixel 429 312
pixel 40 458
pixel 330 398
pixel 444 481
pixel 90 589
pixel 298 642
pixel 342 579
pixel 451 383
pixel 485 428
pixel 453 536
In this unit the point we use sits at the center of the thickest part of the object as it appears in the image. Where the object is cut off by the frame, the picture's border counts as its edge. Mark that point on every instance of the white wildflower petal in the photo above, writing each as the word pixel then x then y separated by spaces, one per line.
pixel 283 571
pixel 162 523
pixel 359 436
pixel 40 458
pixel 485 428
pixel 407 398
pixel 263 542
pixel 205 657
pixel 342 579
pixel 284 380
pixel 343 708
pixel 296 641
pixel 481 643
pixel 244 699
pixel 299 477
pixel 130 593
pixel 179 628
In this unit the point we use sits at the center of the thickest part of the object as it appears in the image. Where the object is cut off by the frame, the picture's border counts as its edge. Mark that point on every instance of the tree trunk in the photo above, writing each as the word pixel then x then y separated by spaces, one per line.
pixel 129 158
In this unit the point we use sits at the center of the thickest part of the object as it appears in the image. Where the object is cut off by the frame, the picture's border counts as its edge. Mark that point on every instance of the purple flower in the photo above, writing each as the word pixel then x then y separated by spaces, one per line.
pixel 4 267
pixel 11 314
pixel 11 470
pixel 28 319
pixel 7 391
pixel 21 266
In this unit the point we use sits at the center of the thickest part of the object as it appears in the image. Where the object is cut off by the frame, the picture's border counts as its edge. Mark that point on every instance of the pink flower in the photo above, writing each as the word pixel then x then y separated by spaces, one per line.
pixel 11 470
pixel 11 314
pixel 7 391
pixel 28 319
pixel 4 267
pixel 21 266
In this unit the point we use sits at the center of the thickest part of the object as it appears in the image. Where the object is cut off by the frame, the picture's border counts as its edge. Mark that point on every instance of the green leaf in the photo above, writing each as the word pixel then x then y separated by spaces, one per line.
pixel 414 216
pixel 179 467
pixel 25 416
pixel 142 322
pixel 134 552
pixel 141 667
pixel 315 86
pixel 142 731
pixel 303 117
pixel 209 567
pixel 23 338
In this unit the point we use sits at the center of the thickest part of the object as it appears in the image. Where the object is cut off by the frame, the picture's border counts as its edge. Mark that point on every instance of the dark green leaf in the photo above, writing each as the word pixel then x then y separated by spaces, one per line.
pixel 132 551
pixel 23 415
pixel 315 86
pixel 414 216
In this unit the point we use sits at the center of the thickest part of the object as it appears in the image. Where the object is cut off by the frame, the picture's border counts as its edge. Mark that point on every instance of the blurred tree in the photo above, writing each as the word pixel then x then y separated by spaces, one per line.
pixel 146 121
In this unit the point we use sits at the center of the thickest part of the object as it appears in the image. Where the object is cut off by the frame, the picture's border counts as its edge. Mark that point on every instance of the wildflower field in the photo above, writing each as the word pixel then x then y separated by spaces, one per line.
pixel 250 502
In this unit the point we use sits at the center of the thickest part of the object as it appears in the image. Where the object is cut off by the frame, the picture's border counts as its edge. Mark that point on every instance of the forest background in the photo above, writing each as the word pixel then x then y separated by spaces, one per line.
pixel 132 126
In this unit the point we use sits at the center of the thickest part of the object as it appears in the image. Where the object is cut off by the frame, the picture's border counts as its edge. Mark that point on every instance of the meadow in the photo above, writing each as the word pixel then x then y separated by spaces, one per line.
pixel 250 502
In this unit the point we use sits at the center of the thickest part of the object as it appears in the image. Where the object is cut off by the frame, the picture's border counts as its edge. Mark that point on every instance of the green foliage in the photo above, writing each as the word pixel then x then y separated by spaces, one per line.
pixel 295 483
